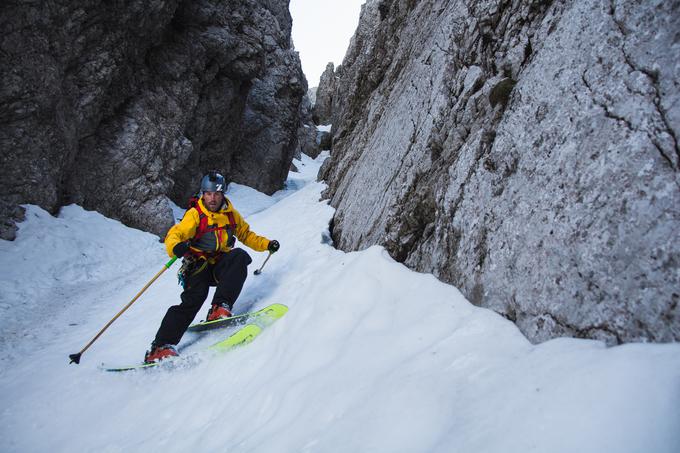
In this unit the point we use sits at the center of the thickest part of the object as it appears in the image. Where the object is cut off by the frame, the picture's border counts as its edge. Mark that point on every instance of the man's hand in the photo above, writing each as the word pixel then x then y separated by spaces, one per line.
pixel 273 246
pixel 181 249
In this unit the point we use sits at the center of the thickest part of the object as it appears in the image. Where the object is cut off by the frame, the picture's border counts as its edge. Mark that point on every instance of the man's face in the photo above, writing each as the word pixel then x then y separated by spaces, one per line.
pixel 213 200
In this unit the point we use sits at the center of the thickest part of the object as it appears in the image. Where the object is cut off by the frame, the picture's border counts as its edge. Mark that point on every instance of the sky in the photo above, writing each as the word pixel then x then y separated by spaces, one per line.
pixel 322 30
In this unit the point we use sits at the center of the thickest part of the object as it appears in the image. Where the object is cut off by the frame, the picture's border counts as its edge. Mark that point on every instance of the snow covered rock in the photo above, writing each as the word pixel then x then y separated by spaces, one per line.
pixel 524 151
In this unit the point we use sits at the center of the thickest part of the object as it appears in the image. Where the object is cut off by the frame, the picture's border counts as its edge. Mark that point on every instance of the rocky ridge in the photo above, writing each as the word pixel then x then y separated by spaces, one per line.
pixel 524 151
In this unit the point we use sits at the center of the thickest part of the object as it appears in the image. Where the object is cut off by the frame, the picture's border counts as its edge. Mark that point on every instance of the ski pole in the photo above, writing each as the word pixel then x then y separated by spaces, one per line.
pixel 75 358
pixel 259 271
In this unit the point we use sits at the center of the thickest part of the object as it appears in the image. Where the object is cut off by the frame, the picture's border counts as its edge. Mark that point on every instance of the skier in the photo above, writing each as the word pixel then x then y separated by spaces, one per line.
pixel 205 239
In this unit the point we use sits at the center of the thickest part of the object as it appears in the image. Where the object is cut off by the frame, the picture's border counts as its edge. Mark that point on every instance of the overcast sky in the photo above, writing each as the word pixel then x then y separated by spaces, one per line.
pixel 322 30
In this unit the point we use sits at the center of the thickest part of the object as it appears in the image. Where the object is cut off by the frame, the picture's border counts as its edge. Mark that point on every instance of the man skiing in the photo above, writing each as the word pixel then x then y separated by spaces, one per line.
pixel 205 238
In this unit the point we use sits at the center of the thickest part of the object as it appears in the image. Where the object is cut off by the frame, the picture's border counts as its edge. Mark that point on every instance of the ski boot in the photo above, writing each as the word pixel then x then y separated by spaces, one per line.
pixel 218 311
pixel 158 353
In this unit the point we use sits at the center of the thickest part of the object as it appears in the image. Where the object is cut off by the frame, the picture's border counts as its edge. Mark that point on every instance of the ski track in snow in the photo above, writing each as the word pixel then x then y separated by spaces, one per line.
pixel 371 357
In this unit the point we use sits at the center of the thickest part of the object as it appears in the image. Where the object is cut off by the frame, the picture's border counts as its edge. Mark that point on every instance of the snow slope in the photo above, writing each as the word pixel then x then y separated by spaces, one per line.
pixel 372 357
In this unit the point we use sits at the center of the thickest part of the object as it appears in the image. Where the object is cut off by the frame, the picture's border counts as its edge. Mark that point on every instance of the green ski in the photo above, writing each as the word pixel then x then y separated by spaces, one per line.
pixel 262 318
pixel 252 325
pixel 241 337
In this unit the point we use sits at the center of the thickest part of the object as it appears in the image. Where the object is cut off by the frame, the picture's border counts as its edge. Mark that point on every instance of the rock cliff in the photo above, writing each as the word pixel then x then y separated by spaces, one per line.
pixel 323 105
pixel 116 105
pixel 306 139
pixel 525 151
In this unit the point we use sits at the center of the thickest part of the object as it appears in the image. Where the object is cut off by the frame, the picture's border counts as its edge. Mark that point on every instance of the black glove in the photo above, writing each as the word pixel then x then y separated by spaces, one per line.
pixel 273 246
pixel 181 249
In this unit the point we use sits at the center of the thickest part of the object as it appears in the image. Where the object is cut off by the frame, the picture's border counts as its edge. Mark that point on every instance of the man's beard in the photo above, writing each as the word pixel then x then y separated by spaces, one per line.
pixel 214 206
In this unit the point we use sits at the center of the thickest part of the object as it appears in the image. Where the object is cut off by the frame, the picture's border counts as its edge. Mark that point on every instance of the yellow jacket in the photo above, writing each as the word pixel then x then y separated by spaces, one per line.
pixel 186 229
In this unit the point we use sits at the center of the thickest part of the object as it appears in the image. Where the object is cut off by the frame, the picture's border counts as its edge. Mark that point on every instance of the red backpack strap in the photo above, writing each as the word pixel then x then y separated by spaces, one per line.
pixel 202 227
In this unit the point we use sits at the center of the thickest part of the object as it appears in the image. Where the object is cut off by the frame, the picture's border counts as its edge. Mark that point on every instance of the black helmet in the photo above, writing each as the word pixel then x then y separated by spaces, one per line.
pixel 213 182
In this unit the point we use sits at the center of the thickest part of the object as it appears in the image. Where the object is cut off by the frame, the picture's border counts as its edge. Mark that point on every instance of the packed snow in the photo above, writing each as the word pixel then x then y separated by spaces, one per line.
pixel 371 357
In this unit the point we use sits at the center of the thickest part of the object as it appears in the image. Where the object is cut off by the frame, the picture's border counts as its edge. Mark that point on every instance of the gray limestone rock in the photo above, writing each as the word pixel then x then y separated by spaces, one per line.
pixel 306 139
pixel 311 94
pixel 524 151
pixel 323 105
pixel 117 107
pixel 272 111
pixel 307 143
pixel 10 215
pixel 66 68
pixel 324 139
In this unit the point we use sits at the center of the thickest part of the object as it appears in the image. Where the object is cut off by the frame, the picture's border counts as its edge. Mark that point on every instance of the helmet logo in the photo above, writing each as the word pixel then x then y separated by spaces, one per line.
pixel 219 188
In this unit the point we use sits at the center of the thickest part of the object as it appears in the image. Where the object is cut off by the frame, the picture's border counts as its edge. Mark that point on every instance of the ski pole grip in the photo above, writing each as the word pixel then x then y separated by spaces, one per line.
pixel 169 263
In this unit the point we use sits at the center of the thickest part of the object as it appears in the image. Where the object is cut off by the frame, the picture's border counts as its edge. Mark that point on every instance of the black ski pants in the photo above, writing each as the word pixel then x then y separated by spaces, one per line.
pixel 228 274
